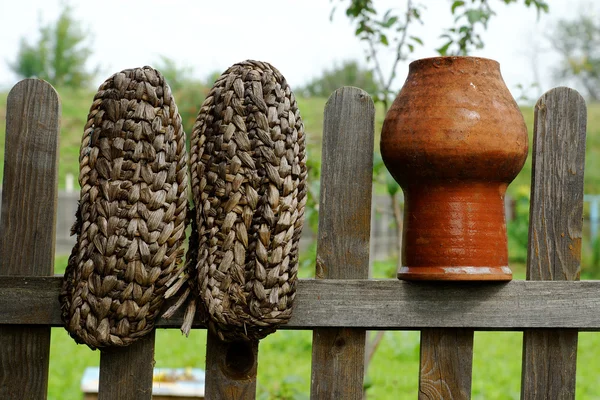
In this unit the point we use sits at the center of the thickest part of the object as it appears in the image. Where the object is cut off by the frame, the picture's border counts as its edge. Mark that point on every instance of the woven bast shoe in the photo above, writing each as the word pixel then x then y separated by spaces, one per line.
pixel 248 171
pixel 131 219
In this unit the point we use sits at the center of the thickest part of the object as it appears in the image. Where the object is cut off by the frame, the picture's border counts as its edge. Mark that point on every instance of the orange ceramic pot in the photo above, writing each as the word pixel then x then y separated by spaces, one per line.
pixel 454 139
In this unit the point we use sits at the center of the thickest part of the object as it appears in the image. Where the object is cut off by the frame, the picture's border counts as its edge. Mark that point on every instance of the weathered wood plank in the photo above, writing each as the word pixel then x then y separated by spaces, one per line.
pixel 28 215
pixel 27 224
pixel 374 304
pixel 343 238
pixel 446 360
pixel 126 372
pixel 446 364
pixel 230 369
pixel 555 227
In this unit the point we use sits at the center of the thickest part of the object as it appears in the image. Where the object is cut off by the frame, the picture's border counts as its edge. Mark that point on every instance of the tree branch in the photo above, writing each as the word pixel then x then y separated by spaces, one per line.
pixel 401 43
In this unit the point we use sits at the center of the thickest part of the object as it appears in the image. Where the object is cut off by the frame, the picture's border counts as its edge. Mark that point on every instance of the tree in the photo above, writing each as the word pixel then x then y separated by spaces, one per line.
pixel 59 56
pixel 350 73
pixel 578 43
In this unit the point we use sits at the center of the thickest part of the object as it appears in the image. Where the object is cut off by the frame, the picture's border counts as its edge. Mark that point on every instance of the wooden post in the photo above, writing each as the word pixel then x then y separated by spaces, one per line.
pixel 126 372
pixel 446 363
pixel 27 224
pixel 555 227
pixel 343 237
pixel 230 369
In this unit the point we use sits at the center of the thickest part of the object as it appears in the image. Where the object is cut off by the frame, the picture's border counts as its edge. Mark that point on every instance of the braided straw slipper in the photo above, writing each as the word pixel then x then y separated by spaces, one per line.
pixel 248 169
pixel 132 211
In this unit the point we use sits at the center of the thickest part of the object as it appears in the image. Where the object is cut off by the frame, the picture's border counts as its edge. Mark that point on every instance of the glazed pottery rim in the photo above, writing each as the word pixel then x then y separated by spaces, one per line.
pixel 454 59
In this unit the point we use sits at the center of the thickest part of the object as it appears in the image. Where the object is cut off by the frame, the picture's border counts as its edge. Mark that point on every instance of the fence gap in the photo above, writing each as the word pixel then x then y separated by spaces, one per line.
pixel 27 224
pixel 555 230
pixel 343 238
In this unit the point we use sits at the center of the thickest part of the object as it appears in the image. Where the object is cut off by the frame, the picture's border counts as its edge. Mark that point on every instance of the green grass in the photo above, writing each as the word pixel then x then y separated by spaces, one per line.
pixel 284 364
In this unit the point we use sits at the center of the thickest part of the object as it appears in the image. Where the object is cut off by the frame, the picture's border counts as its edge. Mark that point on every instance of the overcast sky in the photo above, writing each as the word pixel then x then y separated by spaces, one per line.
pixel 296 36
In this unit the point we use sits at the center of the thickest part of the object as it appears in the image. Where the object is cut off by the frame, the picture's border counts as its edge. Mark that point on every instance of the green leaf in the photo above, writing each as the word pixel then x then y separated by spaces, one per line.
pixel 363 28
pixel 418 40
pixel 391 184
pixel 457 4
pixel 444 49
pixel 383 39
pixel 390 22
pixel 475 16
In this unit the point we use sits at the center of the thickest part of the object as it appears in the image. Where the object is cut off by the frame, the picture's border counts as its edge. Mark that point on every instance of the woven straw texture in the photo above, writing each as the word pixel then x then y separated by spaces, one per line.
pixel 248 171
pixel 131 219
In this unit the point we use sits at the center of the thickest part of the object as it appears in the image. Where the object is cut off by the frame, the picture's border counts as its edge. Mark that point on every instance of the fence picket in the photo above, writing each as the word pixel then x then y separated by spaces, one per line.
pixel 446 363
pixel 343 237
pixel 126 372
pixel 230 369
pixel 27 227
pixel 555 230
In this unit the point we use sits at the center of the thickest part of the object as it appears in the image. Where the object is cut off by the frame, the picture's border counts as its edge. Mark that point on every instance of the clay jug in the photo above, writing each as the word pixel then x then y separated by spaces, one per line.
pixel 454 139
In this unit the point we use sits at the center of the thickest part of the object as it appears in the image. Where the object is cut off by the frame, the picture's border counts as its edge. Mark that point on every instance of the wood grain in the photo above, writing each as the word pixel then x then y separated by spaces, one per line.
pixel 230 369
pixel 30 184
pixel 126 372
pixel 555 229
pixel 446 363
pixel 374 304
pixel 27 224
pixel 343 237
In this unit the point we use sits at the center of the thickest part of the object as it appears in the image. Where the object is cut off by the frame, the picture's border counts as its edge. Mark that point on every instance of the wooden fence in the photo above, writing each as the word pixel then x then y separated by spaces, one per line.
pixel 341 303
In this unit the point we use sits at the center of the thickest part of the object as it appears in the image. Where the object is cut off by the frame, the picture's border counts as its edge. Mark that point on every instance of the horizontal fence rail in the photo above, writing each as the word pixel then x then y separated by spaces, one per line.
pixel 375 304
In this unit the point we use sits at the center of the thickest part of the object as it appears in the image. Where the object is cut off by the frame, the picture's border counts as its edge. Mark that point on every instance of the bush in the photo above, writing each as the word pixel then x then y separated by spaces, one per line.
pixel 350 73
pixel 189 98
